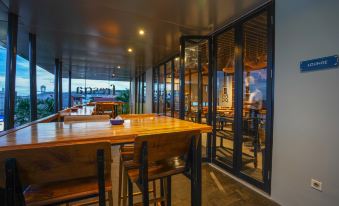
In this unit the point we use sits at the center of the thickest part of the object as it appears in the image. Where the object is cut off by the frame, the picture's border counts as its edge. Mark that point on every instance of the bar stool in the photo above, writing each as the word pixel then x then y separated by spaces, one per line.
pixel 126 154
pixel 159 157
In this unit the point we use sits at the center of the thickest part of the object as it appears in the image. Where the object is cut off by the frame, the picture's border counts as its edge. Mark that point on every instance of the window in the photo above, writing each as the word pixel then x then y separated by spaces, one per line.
pixel 155 89
pixel 176 87
pixel 22 92
pixel 161 89
pixel 45 92
pixel 3 54
pixel 168 86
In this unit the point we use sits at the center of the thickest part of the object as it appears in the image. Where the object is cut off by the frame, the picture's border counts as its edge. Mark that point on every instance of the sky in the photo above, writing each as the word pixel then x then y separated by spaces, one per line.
pixel 46 78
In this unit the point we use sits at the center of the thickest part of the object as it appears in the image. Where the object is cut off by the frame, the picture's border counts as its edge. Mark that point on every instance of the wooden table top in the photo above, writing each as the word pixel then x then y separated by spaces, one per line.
pixel 85 110
pixel 60 133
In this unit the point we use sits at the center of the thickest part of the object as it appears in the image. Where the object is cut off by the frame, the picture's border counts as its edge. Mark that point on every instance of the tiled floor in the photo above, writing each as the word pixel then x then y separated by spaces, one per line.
pixel 218 189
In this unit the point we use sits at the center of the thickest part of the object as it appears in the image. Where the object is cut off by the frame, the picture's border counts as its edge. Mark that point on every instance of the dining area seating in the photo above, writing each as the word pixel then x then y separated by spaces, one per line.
pixel 56 175
pixel 69 161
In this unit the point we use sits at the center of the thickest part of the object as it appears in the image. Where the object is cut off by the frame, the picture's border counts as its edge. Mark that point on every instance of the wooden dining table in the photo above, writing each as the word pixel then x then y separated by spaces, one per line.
pixel 61 133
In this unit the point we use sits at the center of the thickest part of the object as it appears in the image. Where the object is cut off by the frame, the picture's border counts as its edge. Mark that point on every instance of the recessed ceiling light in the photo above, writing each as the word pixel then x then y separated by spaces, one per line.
pixel 141 32
pixel 130 50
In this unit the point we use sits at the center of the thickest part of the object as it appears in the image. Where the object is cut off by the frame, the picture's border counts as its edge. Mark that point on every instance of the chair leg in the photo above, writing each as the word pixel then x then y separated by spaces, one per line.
pixel 162 191
pixel 125 183
pixel 130 193
pixel 110 198
pixel 145 194
pixel 168 194
pixel 155 192
pixel 120 182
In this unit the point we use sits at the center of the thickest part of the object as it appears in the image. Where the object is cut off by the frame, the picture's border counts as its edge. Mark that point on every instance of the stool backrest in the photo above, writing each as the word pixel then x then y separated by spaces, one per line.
pixel 57 163
pixel 164 146
pixel 86 118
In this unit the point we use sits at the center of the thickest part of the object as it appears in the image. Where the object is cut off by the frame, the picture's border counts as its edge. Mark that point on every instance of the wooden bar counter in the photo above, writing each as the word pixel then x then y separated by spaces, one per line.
pixel 60 133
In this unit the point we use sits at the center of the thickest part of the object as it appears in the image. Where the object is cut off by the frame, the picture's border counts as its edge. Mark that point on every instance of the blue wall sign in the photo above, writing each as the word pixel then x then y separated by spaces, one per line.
pixel 319 64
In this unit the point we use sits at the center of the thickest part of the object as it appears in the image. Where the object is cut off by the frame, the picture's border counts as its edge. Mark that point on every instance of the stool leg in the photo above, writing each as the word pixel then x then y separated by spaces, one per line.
pixel 124 182
pixel 162 191
pixel 155 192
pixel 169 191
pixel 120 182
pixel 110 198
pixel 130 193
pixel 145 195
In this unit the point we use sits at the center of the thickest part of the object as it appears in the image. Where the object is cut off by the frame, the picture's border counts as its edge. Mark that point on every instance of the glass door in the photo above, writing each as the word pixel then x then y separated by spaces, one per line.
pixel 197 88
pixel 242 110
pixel 254 106
pixel 225 66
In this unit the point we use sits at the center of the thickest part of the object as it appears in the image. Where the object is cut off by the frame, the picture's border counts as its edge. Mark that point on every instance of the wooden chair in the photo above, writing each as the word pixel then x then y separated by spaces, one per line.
pixel 105 108
pixel 55 175
pixel 160 157
pixel 85 118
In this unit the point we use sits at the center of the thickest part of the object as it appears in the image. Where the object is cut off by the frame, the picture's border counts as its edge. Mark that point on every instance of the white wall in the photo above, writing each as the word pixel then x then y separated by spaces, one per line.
pixel 306 117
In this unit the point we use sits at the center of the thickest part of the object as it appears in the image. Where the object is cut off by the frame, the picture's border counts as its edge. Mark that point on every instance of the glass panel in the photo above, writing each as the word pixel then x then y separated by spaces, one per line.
pixel 168 88
pixel 65 92
pixel 225 101
pixel 3 54
pixel 204 72
pixel 191 81
pixel 45 92
pixel 161 89
pixel 155 90
pixel 22 89
pixel 254 96
pixel 144 93
pixel 78 90
pixel 176 87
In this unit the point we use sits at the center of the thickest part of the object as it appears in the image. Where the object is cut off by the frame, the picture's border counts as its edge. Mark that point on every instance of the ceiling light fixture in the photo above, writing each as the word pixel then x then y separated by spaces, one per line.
pixel 141 32
pixel 118 66
pixel 130 50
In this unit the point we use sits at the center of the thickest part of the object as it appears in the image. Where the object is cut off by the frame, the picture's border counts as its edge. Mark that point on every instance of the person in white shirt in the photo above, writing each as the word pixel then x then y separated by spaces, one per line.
pixel 255 100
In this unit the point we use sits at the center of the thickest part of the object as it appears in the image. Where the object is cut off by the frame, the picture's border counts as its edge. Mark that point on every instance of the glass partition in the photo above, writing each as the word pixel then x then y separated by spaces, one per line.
pixel 168 78
pixel 176 87
pixel 3 54
pixel 191 81
pixel 161 89
pixel 65 81
pixel 254 96
pixel 22 110
pixel 225 97
pixel 45 92
pixel 155 89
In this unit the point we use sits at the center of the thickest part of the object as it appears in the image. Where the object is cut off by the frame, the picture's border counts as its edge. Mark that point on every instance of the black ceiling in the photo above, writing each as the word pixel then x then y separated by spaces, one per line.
pixel 93 35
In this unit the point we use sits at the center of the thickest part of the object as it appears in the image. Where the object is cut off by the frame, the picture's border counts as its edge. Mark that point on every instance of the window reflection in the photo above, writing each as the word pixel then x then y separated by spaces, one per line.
pixel 254 96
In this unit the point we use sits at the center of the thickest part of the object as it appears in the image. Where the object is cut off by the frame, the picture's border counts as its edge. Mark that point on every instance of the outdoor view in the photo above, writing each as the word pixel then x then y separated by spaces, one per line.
pixel 83 91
